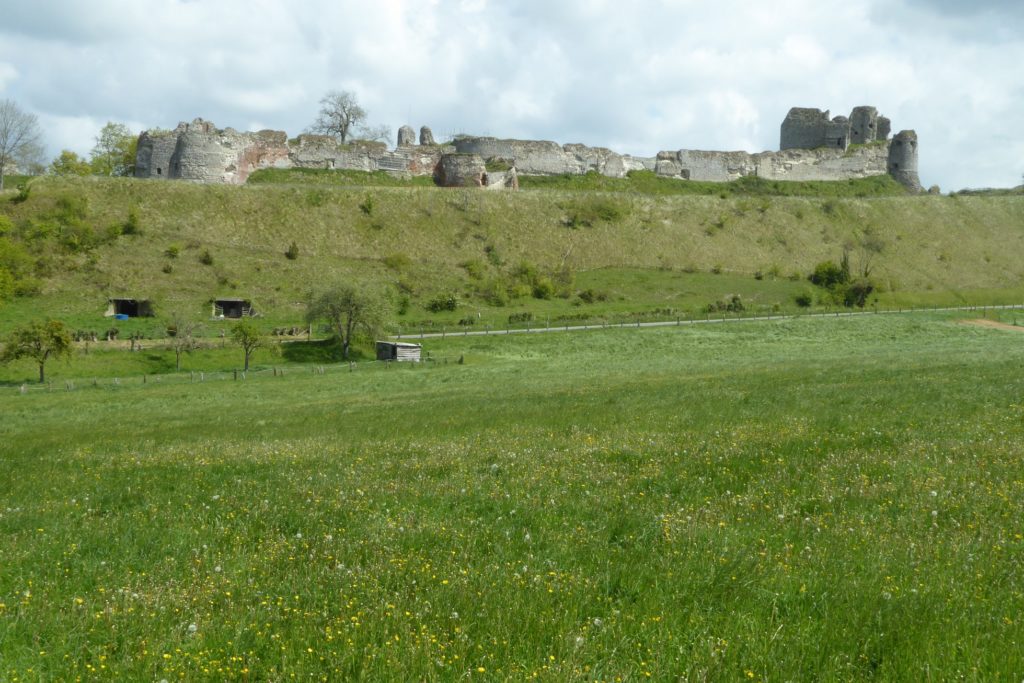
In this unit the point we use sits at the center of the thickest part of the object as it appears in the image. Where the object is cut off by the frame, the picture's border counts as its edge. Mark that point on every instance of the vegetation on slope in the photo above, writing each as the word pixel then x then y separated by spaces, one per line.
pixel 553 254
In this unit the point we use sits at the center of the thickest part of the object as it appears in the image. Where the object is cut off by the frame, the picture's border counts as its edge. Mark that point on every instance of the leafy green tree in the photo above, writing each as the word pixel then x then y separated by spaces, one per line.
pixel 68 163
pixel 39 341
pixel 348 312
pixel 20 139
pixel 114 153
pixel 248 337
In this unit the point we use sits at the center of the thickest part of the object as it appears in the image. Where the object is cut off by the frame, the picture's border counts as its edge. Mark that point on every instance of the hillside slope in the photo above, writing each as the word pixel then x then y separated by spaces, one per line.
pixel 197 242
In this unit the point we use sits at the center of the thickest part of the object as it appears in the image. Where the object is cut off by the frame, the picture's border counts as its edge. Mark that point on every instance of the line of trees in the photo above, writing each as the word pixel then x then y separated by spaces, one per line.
pixel 112 155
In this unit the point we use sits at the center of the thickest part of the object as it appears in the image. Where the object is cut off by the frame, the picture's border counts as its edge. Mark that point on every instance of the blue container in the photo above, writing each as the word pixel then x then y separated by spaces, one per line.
pixel 120 316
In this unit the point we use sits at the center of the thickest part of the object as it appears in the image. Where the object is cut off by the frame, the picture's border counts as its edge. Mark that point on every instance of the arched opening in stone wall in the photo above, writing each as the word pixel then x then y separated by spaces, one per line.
pixel 159 171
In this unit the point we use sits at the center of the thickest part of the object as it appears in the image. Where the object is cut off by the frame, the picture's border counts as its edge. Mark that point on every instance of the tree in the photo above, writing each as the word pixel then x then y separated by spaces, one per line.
pixel 114 153
pixel 39 341
pixel 183 340
pixel 248 337
pixel 68 163
pixel 348 312
pixel 20 138
pixel 339 115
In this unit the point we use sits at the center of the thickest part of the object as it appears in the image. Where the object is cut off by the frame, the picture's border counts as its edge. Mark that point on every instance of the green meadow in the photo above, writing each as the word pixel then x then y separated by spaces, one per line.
pixel 806 499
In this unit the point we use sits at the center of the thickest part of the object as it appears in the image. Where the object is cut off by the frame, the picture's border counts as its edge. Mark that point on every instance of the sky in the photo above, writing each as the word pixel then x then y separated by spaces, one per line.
pixel 637 77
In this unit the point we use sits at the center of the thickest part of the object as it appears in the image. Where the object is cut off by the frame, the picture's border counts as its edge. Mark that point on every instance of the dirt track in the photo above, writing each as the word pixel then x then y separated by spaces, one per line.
pixel 982 322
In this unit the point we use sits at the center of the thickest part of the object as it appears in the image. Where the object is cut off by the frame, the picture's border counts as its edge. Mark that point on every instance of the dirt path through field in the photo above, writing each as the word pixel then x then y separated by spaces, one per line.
pixel 982 322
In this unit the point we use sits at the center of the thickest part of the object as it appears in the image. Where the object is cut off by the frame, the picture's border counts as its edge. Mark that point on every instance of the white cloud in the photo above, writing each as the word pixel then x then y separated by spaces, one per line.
pixel 7 75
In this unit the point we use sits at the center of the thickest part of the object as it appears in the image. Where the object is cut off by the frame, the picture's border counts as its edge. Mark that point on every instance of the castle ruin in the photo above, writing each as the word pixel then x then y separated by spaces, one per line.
pixel 812 146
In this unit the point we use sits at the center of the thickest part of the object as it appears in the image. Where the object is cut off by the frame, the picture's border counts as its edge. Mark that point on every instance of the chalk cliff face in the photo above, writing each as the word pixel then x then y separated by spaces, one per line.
pixel 813 147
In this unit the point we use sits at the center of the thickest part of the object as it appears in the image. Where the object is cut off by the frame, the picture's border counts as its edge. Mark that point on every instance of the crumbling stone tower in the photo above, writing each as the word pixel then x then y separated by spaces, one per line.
pixel 903 160
pixel 805 128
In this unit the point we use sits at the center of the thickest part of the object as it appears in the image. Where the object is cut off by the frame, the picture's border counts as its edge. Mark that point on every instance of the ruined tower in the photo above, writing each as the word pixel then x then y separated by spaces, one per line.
pixel 903 160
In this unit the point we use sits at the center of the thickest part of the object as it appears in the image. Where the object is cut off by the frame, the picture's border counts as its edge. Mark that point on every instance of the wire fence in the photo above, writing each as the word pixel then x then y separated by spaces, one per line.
pixel 431 361
pixel 539 326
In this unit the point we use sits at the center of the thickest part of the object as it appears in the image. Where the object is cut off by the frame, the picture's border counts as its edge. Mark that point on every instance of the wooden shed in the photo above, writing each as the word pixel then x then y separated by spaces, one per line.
pixel 232 308
pixel 398 351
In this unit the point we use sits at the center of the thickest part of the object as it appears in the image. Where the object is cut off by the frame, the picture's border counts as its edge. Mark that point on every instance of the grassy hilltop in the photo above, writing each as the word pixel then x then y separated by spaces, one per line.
pixel 636 247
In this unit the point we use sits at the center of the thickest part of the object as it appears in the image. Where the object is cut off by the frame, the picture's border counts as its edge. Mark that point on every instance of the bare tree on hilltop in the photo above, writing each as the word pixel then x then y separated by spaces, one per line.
pixel 20 138
pixel 341 116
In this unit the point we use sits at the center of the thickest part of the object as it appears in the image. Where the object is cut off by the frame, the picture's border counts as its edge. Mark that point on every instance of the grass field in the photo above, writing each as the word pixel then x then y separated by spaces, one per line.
pixel 811 499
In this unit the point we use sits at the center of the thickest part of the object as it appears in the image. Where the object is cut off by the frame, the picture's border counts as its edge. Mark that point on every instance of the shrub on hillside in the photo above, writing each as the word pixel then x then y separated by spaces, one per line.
pixel 543 288
pixel 445 302
pixel 589 296
pixel 206 258
pixel 292 252
pixel 730 304
pixel 523 317
pixel 132 225
pixel 828 274
pixel 857 292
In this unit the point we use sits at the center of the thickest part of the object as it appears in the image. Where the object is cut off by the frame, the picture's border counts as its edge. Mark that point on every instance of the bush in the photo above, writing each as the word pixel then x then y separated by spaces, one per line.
pixel 494 292
pixel 589 296
pixel 445 302
pixel 132 225
pixel 827 274
pixel 804 300
pixel 857 293
pixel 206 258
pixel 585 214
pixel 730 304
pixel 292 252
pixel 543 288
pixel 474 268
pixel 367 205
pixel 523 317
pixel 172 251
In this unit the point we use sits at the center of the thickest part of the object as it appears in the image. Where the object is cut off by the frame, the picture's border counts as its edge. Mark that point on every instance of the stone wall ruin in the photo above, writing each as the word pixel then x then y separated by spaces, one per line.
pixel 813 146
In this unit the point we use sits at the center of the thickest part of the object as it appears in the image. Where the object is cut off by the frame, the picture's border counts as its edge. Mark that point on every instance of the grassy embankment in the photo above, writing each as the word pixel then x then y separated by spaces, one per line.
pixel 803 500
pixel 598 248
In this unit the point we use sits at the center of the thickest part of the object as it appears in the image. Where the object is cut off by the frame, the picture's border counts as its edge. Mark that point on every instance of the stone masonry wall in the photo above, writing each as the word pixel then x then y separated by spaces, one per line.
pixel 813 147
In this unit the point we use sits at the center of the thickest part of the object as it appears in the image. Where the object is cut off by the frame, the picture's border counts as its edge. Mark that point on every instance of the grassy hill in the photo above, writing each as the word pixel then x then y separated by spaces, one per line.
pixel 631 248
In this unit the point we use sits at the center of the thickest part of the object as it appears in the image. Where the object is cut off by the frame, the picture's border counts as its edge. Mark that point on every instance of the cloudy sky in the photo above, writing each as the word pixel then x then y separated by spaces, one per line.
pixel 637 77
